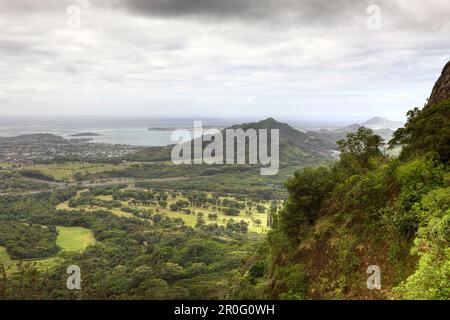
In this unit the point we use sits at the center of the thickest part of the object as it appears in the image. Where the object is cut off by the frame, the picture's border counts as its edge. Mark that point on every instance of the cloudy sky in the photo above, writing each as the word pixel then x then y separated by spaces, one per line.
pixel 290 59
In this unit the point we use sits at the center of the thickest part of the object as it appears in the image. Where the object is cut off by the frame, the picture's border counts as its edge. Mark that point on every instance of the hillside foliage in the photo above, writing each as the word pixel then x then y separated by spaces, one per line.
pixel 366 209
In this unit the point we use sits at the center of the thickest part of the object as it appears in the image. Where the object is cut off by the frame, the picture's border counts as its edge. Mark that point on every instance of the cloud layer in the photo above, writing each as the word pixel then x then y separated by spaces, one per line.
pixel 253 58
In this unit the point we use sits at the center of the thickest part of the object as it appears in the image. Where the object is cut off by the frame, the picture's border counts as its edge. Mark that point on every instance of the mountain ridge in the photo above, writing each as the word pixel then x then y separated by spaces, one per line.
pixel 381 126
pixel 314 144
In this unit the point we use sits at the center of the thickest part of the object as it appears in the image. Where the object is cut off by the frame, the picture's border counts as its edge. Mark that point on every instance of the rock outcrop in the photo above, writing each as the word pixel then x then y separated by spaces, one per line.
pixel 441 89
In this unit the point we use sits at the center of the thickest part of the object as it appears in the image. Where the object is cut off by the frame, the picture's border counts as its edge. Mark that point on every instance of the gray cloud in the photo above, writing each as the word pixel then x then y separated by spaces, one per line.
pixel 412 14
pixel 188 57
pixel 297 11
pixel 196 7
pixel 313 12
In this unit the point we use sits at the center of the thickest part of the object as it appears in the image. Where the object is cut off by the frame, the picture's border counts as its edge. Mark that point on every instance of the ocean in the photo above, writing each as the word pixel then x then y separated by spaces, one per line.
pixel 139 132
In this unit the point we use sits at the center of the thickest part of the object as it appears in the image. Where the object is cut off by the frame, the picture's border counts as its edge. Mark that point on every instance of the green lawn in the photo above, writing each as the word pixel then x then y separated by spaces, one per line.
pixel 65 171
pixel 191 219
pixel 74 238
pixel 4 256
pixel 7 165
pixel 116 211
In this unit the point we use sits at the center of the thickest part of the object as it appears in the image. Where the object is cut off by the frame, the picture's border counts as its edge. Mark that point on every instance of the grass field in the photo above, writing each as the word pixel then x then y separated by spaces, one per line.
pixel 4 256
pixel 116 211
pixel 65 206
pixel 74 238
pixel 6 165
pixel 189 219
pixel 66 171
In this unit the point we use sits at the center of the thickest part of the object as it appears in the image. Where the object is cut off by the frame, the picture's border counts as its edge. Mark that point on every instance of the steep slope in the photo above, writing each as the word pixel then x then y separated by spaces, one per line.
pixel 441 90
pixel 428 130
pixel 390 213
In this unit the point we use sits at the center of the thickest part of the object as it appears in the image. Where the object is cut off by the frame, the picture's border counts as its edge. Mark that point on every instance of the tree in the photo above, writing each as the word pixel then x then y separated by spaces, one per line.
pixel 430 280
pixel 272 214
pixel 172 272
pixel 213 216
pixel 240 226
pixel 154 289
pixel 183 203
pixel 260 208
pixel 307 190
pixel 358 148
pixel 162 204
pixel 200 222
pixel 426 130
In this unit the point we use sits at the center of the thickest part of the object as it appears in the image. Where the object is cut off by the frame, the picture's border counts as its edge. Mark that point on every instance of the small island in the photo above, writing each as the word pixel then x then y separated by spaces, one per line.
pixel 85 134
pixel 161 129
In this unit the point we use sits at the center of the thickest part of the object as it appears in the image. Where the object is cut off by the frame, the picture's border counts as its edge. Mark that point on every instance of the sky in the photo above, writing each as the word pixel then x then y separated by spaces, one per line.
pixel 288 59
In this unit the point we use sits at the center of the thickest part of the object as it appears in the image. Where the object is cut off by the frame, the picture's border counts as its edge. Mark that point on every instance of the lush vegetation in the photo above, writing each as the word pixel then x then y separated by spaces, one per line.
pixel 427 130
pixel 14 182
pixel 24 241
pixel 157 231
pixel 70 171
pixel 367 209
pixel 148 253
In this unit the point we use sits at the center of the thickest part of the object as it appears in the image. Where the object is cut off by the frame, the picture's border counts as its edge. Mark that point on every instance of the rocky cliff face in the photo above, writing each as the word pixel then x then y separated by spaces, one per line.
pixel 441 90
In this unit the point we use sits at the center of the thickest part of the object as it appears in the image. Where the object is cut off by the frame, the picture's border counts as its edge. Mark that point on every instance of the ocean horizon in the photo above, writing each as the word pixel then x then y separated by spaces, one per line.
pixel 137 132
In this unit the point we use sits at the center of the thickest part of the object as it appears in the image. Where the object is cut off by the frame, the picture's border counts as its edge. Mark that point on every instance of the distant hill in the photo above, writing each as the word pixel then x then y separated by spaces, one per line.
pixel 315 144
pixel 295 146
pixel 307 142
pixel 381 126
pixel 378 123
pixel 318 144
pixel 297 151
